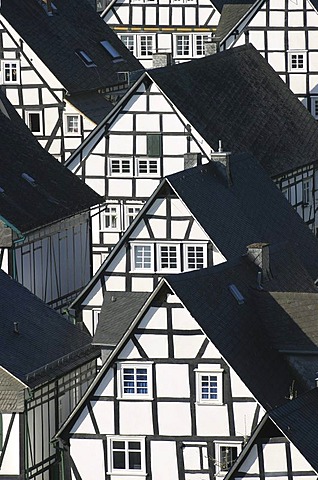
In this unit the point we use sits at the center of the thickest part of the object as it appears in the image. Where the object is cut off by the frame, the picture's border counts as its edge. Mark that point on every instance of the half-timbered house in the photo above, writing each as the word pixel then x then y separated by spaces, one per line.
pixel 197 218
pixel 55 59
pixel 161 32
pixel 46 365
pixel 285 34
pixel 193 371
pixel 173 118
pixel 284 443
pixel 44 216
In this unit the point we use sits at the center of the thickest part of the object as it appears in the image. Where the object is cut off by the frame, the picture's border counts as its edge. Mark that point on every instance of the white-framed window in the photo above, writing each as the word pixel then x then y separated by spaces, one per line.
pixel 131 211
pixel 168 257
pixel 297 61
pixel 286 191
pixel 10 71
pixel 182 45
pixel 72 123
pixel 142 256
pixel 306 191
pixel 135 380
pixel 195 256
pixel 147 167
pixel 209 386
pixel 111 218
pixel 126 455
pixel 199 44
pixel 120 166
pixel 34 121
pixel 145 45
pixel 314 107
pixel 226 454
pixel 129 41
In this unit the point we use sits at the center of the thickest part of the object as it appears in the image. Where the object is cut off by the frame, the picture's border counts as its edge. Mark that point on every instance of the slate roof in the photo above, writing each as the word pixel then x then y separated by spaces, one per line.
pixel 11 393
pixel 92 104
pixel 231 15
pixel 117 313
pixel 235 96
pixel 238 331
pixel 251 210
pixel 56 193
pixel 298 420
pixel 74 26
pixel 44 335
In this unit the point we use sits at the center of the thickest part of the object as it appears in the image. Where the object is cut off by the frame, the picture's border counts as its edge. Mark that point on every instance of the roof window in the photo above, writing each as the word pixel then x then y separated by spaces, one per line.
pixel 236 294
pixel 111 50
pixel 29 179
pixel 85 58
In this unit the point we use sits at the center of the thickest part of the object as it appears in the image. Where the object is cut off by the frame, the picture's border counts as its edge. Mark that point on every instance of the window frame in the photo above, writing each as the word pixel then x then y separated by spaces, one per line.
pixel 11 62
pixel 28 113
pixel 306 184
pixel 121 161
pixel 140 47
pixel 175 45
pixel 133 257
pixel 127 471
pixel 186 246
pixel 105 214
pixel 128 215
pixel 121 395
pixel 161 269
pixel 131 37
pixel 67 116
pixel 291 53
pixel 138 160
pixel 195 43
pixel 218 445
pixel 217 372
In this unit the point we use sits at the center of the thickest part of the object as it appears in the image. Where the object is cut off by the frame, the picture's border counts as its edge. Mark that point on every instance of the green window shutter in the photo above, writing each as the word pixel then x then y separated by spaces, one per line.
pixel 154 144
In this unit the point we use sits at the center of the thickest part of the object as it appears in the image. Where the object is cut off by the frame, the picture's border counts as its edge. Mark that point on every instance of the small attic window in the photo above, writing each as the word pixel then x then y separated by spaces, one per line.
pixel 236 294
pixel 29 179
pixel 111 50
pixel 85 58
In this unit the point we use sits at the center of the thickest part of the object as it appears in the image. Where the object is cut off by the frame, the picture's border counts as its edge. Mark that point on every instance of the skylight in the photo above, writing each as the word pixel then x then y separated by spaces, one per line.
pixel 111 50
pixel 28 178
pixel 236 294
pixel 85 58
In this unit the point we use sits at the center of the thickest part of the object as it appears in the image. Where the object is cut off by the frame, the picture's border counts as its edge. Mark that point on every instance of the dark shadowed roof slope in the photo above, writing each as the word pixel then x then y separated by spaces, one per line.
pixel 35 189
pixel 251 210
pixel 231 14
pixel 236 328
pixel 73 26
pixel 118 311
pixel 235 96
pixel 298 420
pixel 44 335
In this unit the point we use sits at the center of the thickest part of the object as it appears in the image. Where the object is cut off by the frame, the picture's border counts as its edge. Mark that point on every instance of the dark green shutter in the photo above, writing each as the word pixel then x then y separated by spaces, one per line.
pixel 153 144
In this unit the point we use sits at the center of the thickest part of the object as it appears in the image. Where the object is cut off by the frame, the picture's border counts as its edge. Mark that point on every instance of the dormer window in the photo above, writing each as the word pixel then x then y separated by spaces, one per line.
pixel 85 58
pixel 111 51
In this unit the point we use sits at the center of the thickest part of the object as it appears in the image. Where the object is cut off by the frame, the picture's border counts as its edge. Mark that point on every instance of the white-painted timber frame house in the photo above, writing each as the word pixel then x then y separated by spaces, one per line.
pixel 285 33
pixel 53 66
pixel 180 394
pixel 158 129
pixel 160 32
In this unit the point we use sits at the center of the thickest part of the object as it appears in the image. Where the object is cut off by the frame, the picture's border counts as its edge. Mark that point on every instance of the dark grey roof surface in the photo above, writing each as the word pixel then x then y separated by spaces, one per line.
pixel 230 16
pixel 235 96
pixel 44 335
pixel 92 104
pixel 237 330
pixel 298 420
pixel 118 311
pixel 252 210
pixel 74 26
pixel 56 194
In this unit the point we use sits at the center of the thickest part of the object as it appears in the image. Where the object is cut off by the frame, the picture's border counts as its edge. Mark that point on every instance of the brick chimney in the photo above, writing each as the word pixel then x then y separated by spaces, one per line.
pixel 223 158
pixel 258 253
pixel 212 46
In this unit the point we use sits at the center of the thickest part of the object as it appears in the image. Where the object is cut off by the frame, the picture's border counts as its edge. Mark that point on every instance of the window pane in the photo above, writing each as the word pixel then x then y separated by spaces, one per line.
pixel 34 122
pixel 209 387
pixel 168 256
pixel 142 256
pixel 119 460
pixel 134 461
pixel 228 455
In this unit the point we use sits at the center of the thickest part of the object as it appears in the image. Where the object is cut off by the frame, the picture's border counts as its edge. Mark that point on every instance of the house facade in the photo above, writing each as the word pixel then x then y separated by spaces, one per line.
pixel 284 33
pixel 54 83
pixel 162 32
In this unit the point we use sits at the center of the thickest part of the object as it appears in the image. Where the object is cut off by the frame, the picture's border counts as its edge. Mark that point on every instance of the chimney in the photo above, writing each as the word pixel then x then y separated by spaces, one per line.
pixel 212 46
pixel 161 59
pixel 223 158
pixel 192 160
pixel 258 253
pixel 16 327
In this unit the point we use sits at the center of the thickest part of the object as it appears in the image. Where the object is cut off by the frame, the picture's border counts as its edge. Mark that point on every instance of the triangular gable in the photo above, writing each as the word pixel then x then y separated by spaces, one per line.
pixel 11 392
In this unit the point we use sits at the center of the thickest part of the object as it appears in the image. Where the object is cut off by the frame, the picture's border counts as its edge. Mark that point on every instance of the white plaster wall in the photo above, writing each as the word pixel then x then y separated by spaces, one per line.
pixel 197 233
pixel 142 284
pixel 129 352
pixel 299 463
pixel 106 386
pixel 183 320
pixel 118 265
pixel 104 414
pixel 155 317
pixel 212 420
pixel 211 352
pixel 239 389
pixel 172 380
pixel 140 232
pixel 187 346
pixel 87 464
pixel 275 457
pixel 163 460
pixel 243 416
pixel 116 187
pixel 158 207
pixel 155 346
pixel 251 463
pixel 135 418
pixel 179 229
pixel 174 418
pixel 114 284
pixel 84 423
pixel 11 463
pixel 145 187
